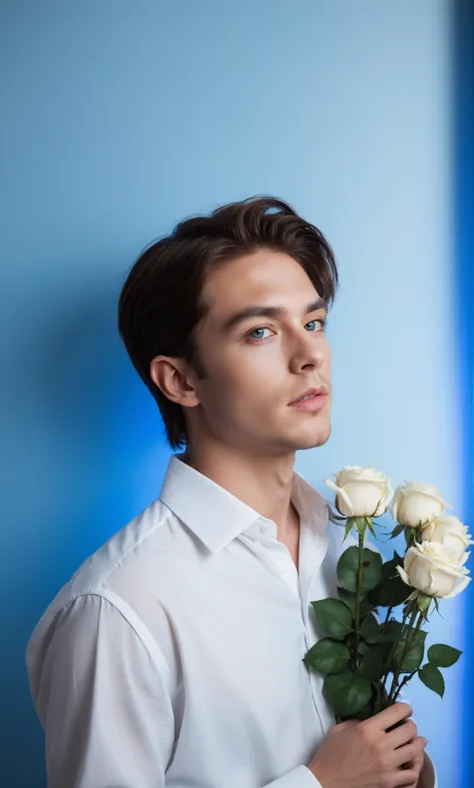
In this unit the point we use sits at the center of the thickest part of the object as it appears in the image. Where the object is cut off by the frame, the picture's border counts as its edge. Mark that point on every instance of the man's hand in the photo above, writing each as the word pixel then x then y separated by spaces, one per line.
pixel 372 753
pixel 417 765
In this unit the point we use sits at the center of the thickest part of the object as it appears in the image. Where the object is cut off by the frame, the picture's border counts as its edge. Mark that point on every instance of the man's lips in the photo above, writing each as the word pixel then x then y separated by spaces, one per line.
pixel 315 391
pixel 314 402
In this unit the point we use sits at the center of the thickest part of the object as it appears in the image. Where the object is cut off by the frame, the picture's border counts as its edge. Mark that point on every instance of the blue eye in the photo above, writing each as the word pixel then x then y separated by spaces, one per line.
pixel 258 329
pixel 257 334
pixel 321 321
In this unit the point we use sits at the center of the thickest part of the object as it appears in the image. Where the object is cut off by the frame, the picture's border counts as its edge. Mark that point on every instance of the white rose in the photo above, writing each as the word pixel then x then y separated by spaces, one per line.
pixel 427 569
pixel 361 492
pixel 451 533
pixel 415 503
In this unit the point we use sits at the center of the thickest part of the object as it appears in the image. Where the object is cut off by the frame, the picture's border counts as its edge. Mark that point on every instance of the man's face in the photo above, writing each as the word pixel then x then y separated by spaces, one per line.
pixel 257 366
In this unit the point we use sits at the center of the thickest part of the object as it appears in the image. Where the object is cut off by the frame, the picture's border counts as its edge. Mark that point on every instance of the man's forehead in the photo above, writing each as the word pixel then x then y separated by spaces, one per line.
pixel 257 280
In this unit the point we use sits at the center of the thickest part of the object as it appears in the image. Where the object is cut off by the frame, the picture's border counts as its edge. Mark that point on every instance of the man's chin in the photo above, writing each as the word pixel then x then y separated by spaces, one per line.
pixel 313 439
pixel 319 442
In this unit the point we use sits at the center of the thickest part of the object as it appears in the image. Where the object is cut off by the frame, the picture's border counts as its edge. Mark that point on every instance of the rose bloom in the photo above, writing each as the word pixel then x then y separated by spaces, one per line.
pixel 428 569
pixel 414 503
pixel 451 533
pixel 361 492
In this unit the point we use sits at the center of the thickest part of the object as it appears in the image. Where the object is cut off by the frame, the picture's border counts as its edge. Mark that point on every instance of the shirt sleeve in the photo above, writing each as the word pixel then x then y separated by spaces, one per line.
pixel 301 777
pixel 428 776
pixel 103 704
pixel 105 709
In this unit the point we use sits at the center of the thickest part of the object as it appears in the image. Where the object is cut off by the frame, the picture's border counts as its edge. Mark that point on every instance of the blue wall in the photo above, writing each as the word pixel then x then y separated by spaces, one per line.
pixel 463 118
pixel 121 118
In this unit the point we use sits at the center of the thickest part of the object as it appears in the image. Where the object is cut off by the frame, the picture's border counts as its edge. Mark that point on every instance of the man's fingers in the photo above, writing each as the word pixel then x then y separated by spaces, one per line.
pixel 409 752
pixel 388 717
pixel 405 779
pixel 416 765
pixel 402 734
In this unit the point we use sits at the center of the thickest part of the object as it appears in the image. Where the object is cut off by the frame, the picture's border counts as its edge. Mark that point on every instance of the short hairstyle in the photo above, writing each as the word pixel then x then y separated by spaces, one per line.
pixel 161 301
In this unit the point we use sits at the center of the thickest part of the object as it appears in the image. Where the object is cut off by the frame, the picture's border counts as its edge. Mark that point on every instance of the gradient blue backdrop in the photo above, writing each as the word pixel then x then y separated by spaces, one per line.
pixel 463 72
pixel 121 118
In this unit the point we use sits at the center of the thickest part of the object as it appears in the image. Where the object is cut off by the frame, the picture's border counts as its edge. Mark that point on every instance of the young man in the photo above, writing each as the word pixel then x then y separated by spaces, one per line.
pixel 173 657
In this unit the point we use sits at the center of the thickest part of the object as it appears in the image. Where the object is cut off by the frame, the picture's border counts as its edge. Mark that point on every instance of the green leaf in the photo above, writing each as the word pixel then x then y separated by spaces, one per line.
pixel 432 677
pixel 424 601
pixel 392 631
pixel 414 654
pixel 349 527
pixel 361 523
pixel 347 692
pixel 372 569
pixel 366 607
pixel 443 656
pixel 397 531
pixel 349 599
pixel 334 617
pixel 328 656
pixel 370 526
pixel 366 712
pixel 392 591
pixel 389 568
pixel 410 536
pixel 348 565
pixel 372 663
pixel 370 629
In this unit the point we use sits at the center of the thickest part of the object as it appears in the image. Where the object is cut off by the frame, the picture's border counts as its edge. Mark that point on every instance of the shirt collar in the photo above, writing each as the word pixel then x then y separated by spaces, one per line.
pixel 216 516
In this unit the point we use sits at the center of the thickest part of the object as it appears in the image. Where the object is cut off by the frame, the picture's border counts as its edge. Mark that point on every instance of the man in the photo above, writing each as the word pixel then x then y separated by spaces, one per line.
pixel 173 657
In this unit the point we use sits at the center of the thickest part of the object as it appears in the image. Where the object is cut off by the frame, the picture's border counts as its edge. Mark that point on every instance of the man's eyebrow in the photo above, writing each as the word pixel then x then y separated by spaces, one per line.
pixel 268 311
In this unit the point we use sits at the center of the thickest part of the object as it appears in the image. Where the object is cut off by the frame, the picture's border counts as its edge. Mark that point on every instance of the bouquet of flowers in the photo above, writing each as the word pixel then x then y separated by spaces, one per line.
pixel 367 659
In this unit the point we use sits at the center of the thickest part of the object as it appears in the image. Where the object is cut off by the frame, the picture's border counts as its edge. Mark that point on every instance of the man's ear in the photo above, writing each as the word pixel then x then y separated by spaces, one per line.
pixel 175 379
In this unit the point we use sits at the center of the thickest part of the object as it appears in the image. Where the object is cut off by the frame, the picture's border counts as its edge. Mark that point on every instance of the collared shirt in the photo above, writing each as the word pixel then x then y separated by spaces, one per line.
pixel 173 656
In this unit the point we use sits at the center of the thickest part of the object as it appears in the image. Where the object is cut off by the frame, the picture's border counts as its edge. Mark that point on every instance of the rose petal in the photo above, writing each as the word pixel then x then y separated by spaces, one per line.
pixel 460 587
pixel 339 491
pixel 404 575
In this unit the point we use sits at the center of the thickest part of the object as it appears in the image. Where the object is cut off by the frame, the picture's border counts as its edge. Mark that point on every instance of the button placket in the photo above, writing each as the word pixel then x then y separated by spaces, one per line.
pixel 286 568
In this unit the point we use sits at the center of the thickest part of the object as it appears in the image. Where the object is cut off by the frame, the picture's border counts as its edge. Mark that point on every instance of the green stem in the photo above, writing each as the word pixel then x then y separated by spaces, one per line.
pixel 412 630
pixel 358 597
pixel 387 617
pixel 388 663
pixel 407 678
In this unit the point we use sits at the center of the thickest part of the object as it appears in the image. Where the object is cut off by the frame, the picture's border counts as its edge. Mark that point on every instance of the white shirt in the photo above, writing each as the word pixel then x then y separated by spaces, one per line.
pixel 173 657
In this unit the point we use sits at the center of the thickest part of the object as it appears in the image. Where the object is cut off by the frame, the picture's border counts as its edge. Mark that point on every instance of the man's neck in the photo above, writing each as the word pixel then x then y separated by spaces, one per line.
pixel 263 483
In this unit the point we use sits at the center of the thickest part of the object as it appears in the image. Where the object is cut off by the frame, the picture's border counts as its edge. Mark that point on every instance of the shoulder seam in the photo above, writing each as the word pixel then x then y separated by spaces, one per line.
pixel 137 625
pixel 138 542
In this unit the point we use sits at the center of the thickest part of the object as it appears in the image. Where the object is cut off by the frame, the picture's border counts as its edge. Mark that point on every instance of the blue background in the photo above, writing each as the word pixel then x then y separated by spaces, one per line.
pixel 463 118
pixel 119 119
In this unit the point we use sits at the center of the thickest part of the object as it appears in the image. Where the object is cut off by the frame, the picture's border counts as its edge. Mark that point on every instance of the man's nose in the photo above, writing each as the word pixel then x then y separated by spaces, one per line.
pixel 308 352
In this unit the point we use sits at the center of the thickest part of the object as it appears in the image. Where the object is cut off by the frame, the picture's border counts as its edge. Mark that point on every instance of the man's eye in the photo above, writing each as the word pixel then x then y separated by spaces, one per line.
pixel 257 331
pixel 322 324
pixel 258 334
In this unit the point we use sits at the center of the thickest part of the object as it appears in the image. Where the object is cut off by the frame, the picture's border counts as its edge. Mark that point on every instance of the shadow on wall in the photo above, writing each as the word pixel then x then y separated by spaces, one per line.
pixel 88 455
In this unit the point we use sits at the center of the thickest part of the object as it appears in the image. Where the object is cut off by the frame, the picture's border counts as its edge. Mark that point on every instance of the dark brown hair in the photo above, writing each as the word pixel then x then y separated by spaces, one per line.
pixel 161 301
